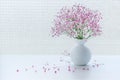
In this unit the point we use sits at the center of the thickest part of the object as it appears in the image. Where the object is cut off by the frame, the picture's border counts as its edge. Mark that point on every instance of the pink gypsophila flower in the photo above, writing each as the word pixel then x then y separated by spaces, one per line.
pixel 77 22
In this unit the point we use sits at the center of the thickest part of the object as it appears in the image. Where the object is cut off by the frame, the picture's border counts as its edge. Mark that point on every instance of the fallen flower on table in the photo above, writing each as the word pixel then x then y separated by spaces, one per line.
pixel 55 68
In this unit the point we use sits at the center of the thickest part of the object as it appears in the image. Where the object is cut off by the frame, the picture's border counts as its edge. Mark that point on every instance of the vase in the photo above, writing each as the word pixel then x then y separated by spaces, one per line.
pixel 80 54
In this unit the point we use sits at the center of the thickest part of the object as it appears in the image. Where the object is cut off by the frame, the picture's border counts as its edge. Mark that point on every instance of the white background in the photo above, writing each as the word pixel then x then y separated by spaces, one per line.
pixel 25 27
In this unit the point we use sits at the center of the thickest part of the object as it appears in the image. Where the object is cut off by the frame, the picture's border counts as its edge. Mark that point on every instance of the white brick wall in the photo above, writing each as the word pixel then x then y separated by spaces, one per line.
pixel 25 26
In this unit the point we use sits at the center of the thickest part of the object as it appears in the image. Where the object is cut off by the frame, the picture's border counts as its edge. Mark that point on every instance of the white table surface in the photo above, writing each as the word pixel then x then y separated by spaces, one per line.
pixel 57 67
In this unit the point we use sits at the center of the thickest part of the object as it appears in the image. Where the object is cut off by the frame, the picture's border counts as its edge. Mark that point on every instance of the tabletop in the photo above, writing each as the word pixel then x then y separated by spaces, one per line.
pixel 57 67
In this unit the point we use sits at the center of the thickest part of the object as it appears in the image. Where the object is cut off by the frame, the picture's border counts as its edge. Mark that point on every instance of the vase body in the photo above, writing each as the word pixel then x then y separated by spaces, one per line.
pixel 80 54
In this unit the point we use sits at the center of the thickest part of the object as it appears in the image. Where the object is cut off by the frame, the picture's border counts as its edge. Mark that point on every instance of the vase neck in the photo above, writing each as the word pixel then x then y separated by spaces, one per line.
pixel 81 42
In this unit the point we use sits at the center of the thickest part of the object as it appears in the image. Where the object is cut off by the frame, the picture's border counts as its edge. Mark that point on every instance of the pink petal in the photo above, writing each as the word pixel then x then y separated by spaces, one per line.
pixel 32 66
pixel 97 65
pixel 55 72
pixel 69 69
pixel 17 70
pixel 58 69
pixel 35 70
pixel 83 68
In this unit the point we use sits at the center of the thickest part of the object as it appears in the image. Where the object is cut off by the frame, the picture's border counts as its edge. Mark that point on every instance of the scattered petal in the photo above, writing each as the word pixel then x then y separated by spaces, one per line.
pixel 73 71
pixel 83 68
pixel 48 69
pixel 68 66
pixel 58 69
pixel 43 67
pixel 97 65
pixel 93 66
pixel 88 69
pixel 44 70
pixel 32 66
pixel 35 70
pixel 55 72
pixel 69 69
pixel 17 70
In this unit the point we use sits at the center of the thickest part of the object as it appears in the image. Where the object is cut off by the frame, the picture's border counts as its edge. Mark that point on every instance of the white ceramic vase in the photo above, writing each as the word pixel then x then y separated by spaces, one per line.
pixel 80 54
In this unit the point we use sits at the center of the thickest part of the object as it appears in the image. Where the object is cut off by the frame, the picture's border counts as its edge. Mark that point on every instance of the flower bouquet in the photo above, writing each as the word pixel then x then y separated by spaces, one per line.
pixel 77 22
